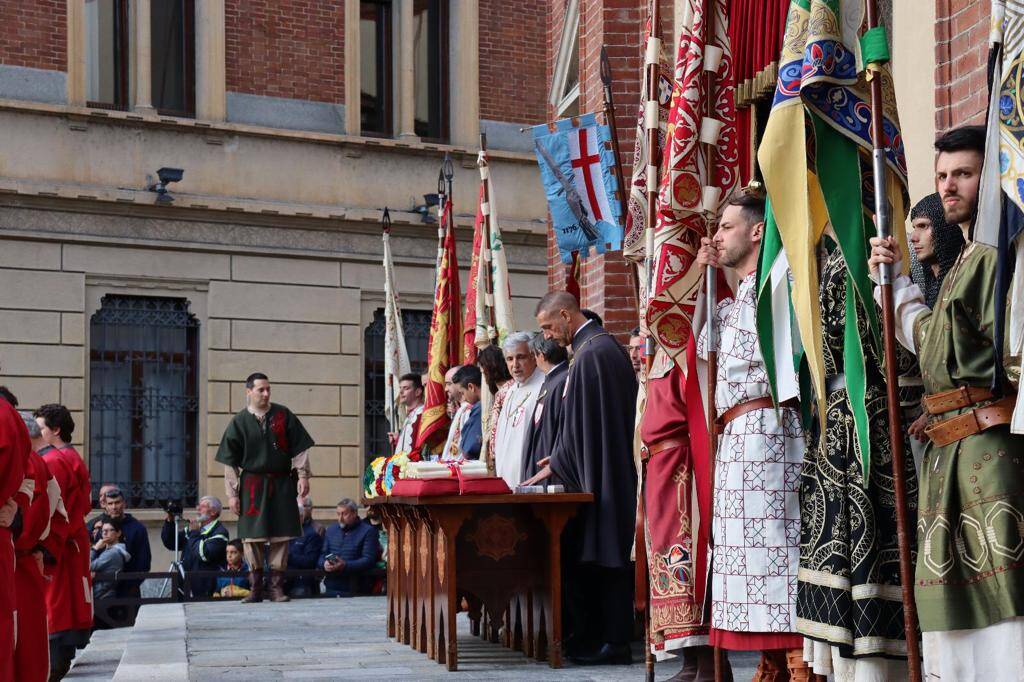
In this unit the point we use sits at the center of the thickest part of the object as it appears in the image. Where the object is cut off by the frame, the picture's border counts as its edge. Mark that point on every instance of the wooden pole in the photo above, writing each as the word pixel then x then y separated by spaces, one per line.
pixel 486 256
pixel 710 274
pixel 883 224
pixel 609 114
pixel 653 68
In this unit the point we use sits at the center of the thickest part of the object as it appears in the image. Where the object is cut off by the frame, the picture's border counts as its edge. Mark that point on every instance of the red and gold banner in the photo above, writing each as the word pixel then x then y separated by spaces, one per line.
pixel 469 349
pixel 445 349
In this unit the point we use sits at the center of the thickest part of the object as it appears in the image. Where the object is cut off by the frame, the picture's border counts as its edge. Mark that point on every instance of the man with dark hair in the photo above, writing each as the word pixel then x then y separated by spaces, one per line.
pixel 136 541
pixel 546 418
pixel 350 548
pixel 969 577
pixel 469 437
pixel 69 590
pixel 410 394
pixel 6 394
pixel 593 453
pixel 756 492
pixel 636 352
pixel 265 453
pixel 592 316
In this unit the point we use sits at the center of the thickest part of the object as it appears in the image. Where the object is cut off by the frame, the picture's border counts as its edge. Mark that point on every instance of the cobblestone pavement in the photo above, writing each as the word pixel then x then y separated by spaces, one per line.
pixel 325 639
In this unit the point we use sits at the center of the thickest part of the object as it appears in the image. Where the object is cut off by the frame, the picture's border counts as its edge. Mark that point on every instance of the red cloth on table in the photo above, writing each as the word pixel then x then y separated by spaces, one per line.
pixel 15 448
pixel 424 487
pixel 69 591
pixel 677 557
pixel 32 652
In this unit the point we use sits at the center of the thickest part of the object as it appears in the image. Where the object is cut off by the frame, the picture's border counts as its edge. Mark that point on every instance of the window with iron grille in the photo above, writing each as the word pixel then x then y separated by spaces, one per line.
pixel 143 399
pixel 416 325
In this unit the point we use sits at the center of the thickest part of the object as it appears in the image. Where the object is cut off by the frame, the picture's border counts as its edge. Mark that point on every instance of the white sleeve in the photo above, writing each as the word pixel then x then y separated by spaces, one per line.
pixel 908 302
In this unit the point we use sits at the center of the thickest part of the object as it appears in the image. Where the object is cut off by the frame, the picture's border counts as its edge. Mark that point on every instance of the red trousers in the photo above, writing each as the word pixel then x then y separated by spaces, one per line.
pixel 69 591
pixel 8 605
pixel 32 652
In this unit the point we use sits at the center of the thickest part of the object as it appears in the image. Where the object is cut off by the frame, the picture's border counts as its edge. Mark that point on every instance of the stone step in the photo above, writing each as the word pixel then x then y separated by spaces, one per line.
pixel 99 660
pixel 156 646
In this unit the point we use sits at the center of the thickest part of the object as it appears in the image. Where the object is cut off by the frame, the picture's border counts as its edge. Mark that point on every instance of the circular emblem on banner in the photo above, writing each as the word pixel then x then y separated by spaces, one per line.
pixel 672 330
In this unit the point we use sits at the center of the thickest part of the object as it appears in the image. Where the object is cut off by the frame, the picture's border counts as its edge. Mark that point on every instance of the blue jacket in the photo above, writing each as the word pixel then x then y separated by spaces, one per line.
pixel 239 579
pixel 472 434
pixel 358 546
pixel 304 551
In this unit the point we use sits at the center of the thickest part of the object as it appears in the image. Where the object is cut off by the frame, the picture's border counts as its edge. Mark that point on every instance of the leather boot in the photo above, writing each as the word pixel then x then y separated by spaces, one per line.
pixel 276 591
pixel 255 588
pixel 688 673
pixel 799 669
pixel 773 667
pixel 705 656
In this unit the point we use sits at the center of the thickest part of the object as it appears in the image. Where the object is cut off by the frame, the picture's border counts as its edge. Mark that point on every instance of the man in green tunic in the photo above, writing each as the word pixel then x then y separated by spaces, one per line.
pixel 265 453
pixel 970 560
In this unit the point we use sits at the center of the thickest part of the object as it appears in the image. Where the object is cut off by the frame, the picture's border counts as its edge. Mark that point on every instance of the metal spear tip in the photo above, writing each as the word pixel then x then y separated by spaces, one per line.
pixel 606 67
pixel 385 221
pixel 447 168
pixel 441 185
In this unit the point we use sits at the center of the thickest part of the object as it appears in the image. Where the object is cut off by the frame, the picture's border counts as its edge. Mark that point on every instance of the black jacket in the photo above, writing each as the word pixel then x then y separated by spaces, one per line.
pixel 200 551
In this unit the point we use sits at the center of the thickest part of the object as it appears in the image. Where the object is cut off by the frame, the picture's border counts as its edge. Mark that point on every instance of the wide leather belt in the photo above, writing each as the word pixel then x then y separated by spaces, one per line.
pixel 661 446
pixel 955 399
pixel 979 419
pixel 737 411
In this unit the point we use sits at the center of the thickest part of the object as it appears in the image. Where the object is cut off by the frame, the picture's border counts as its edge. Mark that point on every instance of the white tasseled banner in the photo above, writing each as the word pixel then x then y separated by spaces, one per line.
pixel 712 57
pixel 485 208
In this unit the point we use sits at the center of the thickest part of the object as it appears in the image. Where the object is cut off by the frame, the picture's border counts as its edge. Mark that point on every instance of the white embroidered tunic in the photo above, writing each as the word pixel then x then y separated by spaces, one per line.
pixel 513 423
pixel 756 523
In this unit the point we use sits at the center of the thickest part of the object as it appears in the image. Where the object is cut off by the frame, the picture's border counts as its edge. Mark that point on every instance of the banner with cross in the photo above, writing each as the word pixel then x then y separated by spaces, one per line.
pixel 577 168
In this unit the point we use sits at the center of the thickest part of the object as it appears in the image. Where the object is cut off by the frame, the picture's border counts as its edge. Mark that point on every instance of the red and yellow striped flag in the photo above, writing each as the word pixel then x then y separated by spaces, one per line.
pixel 445 349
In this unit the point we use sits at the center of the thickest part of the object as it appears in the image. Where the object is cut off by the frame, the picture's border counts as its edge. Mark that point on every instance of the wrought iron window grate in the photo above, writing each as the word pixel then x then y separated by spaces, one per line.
pixel 416 325
pixel 144 400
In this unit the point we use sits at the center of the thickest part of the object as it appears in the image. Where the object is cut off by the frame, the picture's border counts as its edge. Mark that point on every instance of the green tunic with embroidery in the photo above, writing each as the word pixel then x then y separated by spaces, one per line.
pixel 262 451
pixel 970 560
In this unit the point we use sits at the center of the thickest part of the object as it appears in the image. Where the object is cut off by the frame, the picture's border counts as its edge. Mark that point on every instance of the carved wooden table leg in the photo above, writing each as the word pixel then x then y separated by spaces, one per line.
pixel 391 526
pixel 424 580
pixel 408 577
pixel 554 521
pixel 449 520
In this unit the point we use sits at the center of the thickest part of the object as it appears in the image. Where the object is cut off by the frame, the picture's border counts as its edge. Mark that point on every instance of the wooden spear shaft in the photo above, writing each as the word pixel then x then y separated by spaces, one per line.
pixel 883 224
pixel 710 276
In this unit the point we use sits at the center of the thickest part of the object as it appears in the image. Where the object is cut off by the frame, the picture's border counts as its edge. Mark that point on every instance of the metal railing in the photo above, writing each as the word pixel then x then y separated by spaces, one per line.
pixel 114 612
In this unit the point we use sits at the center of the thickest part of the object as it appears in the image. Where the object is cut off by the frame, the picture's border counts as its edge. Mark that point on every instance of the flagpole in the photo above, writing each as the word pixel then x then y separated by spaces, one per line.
pixel 710 205
pixel 385 224
pixel 652 65
pixel 442 201
pixel 486 256
pixel 883 224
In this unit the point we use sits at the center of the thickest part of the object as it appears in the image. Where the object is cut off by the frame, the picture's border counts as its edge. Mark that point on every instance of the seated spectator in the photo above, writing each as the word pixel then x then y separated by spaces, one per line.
pixel 202 543
pixel 350 550
pixel 108 555
pixel 236 583
pixel 304 552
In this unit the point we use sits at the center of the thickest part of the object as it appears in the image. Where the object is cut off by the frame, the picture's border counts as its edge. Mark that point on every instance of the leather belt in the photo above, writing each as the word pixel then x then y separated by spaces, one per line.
pixel 765 403
pixel 979 419
pixel 955 399
pixel 661 446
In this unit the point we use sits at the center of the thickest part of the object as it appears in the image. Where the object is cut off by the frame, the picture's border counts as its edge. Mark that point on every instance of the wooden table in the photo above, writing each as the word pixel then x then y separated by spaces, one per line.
pixel 502 553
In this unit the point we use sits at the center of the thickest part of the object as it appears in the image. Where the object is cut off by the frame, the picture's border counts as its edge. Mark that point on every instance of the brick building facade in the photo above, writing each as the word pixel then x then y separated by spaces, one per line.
pixel 268 259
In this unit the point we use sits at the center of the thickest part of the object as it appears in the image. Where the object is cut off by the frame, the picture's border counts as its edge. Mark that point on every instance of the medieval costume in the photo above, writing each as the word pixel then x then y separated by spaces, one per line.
pixel 970 581
pixel 849 603
pixel 947 243
pixel 592 454
pixel 264 455
pixel 69 586
pixel 756 516
pixel 546 420
pixel 677 505
pixel 491 416
pixel 32 655
pixel 512 425
pixel 451 444
pixel 410 430
pixel 15 449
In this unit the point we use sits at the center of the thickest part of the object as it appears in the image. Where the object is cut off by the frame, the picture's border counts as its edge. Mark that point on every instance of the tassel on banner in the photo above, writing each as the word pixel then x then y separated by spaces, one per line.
pixel 712 57
pixel 710 129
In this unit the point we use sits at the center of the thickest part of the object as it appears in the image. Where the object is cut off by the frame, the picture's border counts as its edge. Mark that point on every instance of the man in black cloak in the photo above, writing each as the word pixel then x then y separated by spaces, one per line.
pixel 593 453
pixel 546 420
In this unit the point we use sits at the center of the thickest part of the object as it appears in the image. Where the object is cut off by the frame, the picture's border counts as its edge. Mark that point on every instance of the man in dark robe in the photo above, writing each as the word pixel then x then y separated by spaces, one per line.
pixel 546 420
pixel 266 466
pixel 593 453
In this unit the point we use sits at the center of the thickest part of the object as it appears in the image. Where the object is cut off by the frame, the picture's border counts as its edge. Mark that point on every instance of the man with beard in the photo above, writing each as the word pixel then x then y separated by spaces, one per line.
pixel 756 501
pixel 970 580
pixel 593 453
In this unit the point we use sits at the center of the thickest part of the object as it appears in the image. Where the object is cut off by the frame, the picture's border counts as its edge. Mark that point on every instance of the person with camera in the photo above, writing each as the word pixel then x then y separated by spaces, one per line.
pixel 203 543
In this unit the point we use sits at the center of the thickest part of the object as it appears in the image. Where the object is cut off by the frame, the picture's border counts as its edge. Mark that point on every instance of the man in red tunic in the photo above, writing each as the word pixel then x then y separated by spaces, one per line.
pixel 14 451
pixel 31 654
pixel 69 591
